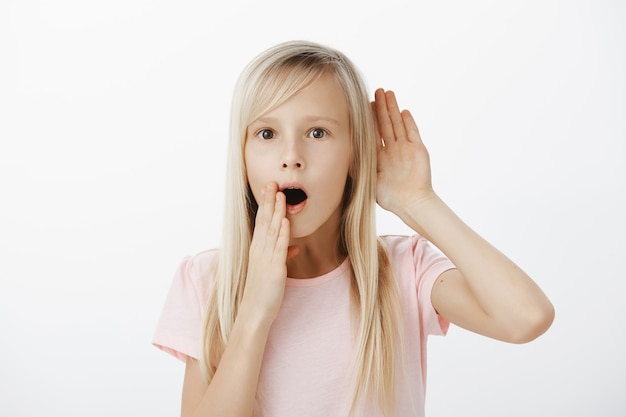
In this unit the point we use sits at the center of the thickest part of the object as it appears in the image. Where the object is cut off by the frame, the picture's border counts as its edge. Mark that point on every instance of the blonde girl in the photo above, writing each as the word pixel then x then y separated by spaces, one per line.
pixel 304 311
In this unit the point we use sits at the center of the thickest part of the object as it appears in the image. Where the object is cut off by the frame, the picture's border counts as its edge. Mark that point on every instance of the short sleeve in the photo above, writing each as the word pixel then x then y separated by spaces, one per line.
pixel 417 265
pixel 179 328
pixel 429 265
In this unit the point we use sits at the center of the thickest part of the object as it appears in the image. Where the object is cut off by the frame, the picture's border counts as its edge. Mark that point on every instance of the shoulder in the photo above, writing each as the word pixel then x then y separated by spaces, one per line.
pixel 400 251
pixel 399 246
pixel 414 256
pixel 195 271
pixel 397 241
pixel 178 330
pixel 202 261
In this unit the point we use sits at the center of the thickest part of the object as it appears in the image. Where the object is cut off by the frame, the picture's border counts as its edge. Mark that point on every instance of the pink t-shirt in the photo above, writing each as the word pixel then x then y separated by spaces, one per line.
pixel 307 358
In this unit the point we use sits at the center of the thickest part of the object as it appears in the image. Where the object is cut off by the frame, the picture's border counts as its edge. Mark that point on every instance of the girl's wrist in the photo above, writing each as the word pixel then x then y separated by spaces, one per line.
pixel 417 212
pixel 252 319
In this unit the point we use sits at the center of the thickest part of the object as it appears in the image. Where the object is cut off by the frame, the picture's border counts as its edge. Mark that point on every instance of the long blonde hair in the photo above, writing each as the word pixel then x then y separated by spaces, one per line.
pixel 269 80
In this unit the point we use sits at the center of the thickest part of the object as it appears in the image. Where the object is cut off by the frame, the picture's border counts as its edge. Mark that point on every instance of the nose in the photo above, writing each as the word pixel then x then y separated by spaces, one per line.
pixel 292 155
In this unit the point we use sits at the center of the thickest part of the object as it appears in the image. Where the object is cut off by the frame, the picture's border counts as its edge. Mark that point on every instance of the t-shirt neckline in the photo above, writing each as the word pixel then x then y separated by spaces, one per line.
pixel 310 282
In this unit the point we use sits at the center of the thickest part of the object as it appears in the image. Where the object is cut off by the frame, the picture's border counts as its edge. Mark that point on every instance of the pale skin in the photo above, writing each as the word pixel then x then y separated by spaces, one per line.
pixel 487 293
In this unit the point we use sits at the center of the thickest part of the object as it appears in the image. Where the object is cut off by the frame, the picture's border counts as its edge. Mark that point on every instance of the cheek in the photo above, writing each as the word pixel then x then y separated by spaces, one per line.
pixel 341 162
pixel 256 175
pixel 336 172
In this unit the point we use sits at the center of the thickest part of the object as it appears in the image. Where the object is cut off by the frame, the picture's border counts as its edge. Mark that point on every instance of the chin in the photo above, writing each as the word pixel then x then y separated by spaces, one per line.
pixel 300 231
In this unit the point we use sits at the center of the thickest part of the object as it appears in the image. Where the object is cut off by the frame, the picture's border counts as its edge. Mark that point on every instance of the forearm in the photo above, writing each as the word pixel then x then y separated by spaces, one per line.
pixel 504 292
pixel 487 293
pixel 233 388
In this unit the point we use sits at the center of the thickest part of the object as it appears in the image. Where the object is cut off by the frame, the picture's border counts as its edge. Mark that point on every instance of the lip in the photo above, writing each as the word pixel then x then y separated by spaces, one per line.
pixel 292 185
pixel 297 208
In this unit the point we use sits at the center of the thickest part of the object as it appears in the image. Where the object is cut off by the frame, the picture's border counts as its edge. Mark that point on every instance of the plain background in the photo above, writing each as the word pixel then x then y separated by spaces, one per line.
pixel 113 122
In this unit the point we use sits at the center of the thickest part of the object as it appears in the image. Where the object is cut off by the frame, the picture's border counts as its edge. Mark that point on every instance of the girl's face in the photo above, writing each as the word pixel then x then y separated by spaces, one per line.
pixel 303 145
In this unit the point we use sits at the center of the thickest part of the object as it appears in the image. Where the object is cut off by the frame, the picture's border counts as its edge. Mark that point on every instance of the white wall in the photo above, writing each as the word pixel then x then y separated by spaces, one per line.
pixel 113 118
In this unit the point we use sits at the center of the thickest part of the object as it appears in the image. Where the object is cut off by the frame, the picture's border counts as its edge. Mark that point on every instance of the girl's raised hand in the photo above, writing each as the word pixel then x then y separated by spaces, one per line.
pixel 403 164
pixel 269 251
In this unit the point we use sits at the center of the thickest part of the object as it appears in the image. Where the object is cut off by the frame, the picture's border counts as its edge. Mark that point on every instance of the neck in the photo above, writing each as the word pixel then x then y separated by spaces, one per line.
pixel 319 252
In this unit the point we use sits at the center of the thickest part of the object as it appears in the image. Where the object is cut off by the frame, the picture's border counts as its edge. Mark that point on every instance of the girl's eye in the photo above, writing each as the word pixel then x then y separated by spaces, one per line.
pixel 265 134
pixel 318 133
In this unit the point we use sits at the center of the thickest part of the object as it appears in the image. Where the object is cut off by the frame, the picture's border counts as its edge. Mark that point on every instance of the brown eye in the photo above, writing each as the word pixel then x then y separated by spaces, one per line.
pixel 318 133
pixel 266 134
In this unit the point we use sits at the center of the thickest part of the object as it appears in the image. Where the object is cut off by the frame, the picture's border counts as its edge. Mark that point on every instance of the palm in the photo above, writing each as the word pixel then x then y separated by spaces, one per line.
pixel 403 164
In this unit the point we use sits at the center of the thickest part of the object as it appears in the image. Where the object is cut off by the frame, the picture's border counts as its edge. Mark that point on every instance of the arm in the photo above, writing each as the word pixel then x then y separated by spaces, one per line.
pixel 233 388
pixel 487 293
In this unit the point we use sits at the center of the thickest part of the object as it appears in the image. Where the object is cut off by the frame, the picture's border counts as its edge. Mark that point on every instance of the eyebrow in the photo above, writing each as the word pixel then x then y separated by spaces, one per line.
pixel 309 119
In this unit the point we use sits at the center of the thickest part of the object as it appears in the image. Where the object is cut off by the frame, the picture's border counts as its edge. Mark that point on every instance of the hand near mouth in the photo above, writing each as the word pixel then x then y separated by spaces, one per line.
pixel 269 251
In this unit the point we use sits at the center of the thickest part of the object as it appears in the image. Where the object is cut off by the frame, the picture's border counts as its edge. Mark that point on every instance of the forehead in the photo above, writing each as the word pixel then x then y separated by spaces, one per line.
pixel 323 99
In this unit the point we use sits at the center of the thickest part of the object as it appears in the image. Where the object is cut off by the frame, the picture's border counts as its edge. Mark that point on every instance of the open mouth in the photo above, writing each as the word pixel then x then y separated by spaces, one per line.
pixel 294 196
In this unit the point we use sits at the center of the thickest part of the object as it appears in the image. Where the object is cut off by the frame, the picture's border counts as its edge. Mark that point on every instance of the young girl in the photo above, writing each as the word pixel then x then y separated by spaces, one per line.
pixel 304 311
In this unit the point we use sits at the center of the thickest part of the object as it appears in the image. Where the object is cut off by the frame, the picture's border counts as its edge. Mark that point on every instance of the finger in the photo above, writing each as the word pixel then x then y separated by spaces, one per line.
pixel 385 126
pixel 279 212
pixel 282 247
pixel 413 133
pixel 266 205
pixel 397 122
pixel 379 139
